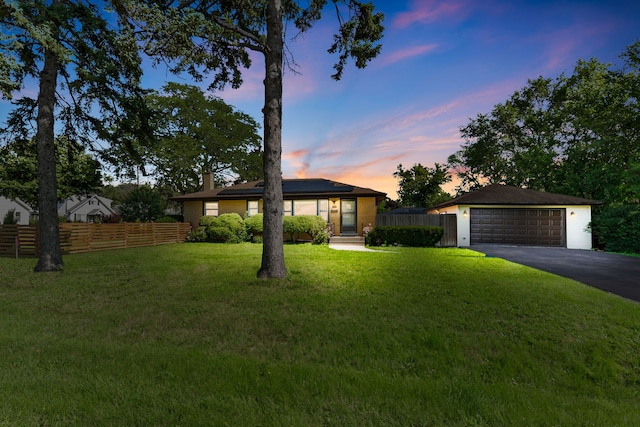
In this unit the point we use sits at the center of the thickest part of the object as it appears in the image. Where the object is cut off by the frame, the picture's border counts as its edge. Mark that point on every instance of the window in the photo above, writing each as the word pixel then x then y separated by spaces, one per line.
pixel 211 208
pixel 16 216
pixel 307 207
pixel 252 207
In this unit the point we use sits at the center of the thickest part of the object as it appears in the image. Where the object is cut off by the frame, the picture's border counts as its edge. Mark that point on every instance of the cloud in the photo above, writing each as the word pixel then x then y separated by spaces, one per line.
pixel 410 52
pixel 426 11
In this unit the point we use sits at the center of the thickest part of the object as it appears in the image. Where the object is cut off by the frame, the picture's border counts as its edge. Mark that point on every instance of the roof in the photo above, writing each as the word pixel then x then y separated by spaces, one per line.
pixel 498 194
pixel 303 188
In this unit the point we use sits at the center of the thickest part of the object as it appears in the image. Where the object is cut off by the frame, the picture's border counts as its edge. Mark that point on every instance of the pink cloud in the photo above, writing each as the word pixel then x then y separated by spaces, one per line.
pixel 409 52
pixel 426 11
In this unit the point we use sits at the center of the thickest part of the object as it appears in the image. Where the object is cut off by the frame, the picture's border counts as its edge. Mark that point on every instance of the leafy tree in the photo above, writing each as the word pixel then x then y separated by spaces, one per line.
pixel 572 134
pixel 420 186
pixel 199 37
pixel 195 133
pixel 142 204
pixel 77 172
pixel 85 60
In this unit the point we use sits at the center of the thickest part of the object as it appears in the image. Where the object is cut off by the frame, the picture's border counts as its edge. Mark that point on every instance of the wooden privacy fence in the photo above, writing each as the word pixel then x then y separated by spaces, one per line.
pixel 448 222
pixel 23 240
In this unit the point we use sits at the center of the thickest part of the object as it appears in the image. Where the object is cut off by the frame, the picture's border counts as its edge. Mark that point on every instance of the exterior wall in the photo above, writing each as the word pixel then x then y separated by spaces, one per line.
pixel 367 211
pixel 232 206
pixel 6 205
pixel 192 211
pixel 577 235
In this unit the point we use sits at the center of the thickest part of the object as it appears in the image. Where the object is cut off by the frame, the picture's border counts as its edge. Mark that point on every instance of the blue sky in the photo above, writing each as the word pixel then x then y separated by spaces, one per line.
pixel 442 63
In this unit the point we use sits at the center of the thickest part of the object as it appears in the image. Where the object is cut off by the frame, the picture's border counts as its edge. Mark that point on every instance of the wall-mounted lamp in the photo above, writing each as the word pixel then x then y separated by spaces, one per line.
pixel 572 213
pixel 464 214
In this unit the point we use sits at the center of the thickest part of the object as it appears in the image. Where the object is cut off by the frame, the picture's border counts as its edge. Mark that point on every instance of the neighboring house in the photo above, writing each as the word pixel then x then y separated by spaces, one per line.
pixel 22 211
pixel 346 207
pixel 90 208
pixel 504 214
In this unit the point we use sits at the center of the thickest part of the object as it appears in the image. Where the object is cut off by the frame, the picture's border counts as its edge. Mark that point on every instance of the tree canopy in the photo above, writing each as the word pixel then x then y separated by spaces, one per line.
pixel 86 62
pixel 77 172
pixel 420 186
pixel 194 133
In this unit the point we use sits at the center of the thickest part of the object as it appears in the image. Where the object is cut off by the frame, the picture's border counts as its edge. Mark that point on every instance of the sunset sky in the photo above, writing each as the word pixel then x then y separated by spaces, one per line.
pixel 442 63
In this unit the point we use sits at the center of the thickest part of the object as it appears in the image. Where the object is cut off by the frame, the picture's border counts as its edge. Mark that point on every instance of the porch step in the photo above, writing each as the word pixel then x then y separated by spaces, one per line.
pixel 347 240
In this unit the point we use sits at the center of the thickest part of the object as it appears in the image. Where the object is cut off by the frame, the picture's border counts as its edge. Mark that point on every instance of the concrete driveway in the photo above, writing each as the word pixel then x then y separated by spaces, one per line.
pixel 618 274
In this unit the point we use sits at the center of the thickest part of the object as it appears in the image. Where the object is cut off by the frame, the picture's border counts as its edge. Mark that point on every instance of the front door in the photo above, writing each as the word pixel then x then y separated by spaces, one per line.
pixel 348 216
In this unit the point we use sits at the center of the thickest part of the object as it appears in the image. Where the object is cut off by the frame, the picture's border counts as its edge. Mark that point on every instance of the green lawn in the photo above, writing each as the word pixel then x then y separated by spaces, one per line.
pixel 185 335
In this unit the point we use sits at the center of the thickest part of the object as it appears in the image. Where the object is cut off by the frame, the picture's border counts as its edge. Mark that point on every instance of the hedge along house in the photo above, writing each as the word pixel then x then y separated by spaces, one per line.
pixel 347 208
pixel 501 214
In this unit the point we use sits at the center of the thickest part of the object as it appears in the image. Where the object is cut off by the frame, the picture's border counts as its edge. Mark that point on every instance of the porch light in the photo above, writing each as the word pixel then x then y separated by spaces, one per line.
pixel 572 213
pixel 464 214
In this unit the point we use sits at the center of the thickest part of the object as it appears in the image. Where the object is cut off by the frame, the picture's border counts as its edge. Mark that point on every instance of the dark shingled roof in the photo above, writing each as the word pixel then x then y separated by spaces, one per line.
pixel 303 188
pixel 497 194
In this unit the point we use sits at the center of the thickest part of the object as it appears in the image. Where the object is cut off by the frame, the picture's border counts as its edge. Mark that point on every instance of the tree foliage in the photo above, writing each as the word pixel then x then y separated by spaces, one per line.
pixel 571 134
pixel 143 204
pixel 85 60
pixel 420 186
pixel 193 134
pixel 77 172
pixel 214 38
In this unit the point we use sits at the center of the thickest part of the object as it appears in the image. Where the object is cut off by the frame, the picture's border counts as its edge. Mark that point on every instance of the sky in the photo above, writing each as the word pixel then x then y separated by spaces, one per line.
pixel 443 62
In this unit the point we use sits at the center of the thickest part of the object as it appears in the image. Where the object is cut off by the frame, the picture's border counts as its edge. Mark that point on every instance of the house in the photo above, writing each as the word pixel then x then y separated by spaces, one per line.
pixel 90 208
pixel 347 208
pixel 22 212
pixel 504 214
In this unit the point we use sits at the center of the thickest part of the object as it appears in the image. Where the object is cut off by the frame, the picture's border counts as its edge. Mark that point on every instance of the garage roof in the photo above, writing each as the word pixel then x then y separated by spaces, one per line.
pixel 497 194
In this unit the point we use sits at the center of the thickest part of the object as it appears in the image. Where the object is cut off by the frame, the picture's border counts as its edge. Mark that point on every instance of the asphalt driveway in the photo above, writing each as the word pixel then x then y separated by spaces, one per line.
pixel 618 274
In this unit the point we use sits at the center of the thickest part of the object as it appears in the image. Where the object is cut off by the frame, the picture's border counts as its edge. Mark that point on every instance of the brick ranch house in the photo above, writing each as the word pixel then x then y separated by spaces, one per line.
pixel 347 208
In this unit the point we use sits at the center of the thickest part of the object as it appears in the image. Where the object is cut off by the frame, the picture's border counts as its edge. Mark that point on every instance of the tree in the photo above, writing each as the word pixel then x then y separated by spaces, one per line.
pixel 142 204
pixel 77 172
pixel 195 133
pixel 420 185
pixel 572 134
pixel 198 37
pixel 85 60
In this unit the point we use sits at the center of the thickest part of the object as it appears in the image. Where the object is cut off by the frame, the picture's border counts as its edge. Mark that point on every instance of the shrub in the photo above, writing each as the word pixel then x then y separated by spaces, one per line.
pixel 10 217
pixel 166 219
pixel 198 235
pixel 111 219
pixel 294 226
pixel 618 228
pixel 254 225
pixel 231 223
pixel 420 236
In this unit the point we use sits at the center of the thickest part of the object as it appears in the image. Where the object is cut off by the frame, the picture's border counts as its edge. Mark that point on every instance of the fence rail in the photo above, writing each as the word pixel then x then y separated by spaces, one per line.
pixel 24 240
pixel 448 222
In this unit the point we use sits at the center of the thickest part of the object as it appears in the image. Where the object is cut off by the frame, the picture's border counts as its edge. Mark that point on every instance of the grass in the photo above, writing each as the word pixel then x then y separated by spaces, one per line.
pixel 186 335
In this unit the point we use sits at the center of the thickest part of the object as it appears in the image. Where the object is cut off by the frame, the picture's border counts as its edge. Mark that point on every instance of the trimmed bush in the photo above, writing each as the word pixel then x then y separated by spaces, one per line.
pixel 417 236
pixel 254 225
pixel 295 226
pixel 231 223
pixel 166 219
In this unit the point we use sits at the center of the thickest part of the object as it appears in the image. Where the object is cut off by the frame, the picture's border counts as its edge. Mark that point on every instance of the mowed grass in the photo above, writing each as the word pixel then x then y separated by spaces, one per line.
pixel 186 335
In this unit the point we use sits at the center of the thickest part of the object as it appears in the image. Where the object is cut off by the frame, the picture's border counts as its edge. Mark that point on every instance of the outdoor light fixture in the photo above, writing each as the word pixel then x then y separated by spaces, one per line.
pixel 464 214
pixel 573 213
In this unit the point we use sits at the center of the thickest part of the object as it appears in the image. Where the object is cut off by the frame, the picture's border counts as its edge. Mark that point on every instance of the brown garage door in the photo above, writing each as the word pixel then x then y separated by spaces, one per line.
pixel 538 227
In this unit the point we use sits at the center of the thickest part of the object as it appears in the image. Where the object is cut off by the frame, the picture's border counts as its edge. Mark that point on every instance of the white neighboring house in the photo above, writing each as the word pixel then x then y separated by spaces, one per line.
pixel 90 208
pixel 22 211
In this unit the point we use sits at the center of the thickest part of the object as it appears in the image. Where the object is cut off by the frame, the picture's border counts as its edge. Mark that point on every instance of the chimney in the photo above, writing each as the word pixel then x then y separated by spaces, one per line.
pixel 208 181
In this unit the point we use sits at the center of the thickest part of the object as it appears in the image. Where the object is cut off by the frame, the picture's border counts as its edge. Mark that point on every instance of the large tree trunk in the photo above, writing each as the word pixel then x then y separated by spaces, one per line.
pixel 272 238
pixel 50 253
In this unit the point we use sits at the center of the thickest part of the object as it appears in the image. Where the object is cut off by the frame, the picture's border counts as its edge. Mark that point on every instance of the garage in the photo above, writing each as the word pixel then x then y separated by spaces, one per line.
pixel 535 227
pixel 506 215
